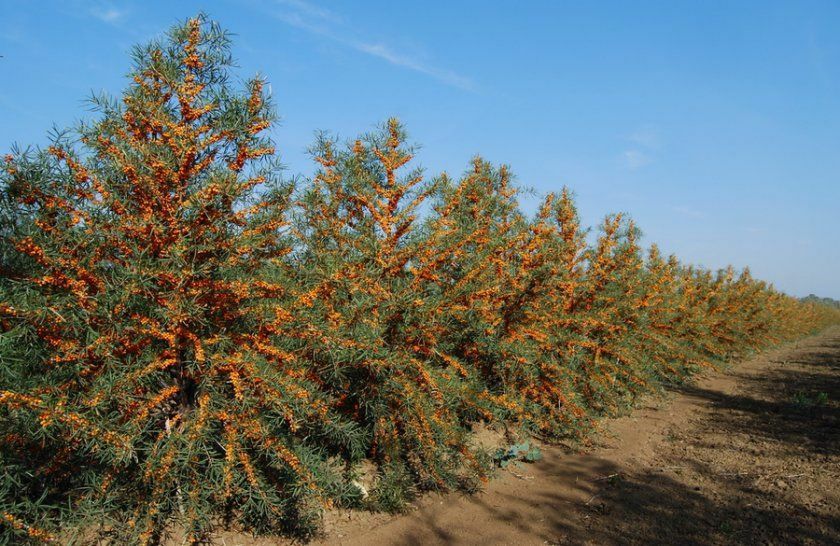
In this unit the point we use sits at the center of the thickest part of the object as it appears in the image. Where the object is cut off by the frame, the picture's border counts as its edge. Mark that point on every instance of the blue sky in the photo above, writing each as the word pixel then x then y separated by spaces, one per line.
pixel 716 125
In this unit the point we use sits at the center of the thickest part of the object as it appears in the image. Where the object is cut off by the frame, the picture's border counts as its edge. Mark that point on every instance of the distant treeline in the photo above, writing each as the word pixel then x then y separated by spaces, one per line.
pixel 812 298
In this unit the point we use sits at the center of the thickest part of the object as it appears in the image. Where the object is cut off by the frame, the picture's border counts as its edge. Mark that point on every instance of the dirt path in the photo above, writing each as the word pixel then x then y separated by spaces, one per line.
pixel 747 456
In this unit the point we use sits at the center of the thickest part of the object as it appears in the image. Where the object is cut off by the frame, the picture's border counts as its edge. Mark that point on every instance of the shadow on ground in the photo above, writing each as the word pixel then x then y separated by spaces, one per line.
pixel 758 465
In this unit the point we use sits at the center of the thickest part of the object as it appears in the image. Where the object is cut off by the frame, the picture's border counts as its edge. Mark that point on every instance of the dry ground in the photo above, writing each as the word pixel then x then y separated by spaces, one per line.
pixel 746 456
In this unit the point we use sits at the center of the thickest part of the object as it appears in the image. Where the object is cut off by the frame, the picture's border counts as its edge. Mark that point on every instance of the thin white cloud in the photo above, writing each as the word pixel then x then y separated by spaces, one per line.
pixel 445 76
pixel 646 136
pixel 310 9
pixel 635 159
pixel 645 142
pixel 14 35
pixel 689 212
pixel 109 14
pixel 314 25
pixel 323 22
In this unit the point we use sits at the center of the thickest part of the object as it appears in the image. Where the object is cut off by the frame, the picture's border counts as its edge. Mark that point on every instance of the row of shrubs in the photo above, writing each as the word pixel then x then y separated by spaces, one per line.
pixel 190 339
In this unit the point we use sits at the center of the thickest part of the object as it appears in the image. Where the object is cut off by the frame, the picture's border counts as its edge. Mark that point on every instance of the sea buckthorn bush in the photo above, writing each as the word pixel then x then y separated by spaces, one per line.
pixel 189 340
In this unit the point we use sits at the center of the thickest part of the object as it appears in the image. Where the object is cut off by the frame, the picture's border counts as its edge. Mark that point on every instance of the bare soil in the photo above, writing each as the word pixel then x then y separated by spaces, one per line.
pixel 750 455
